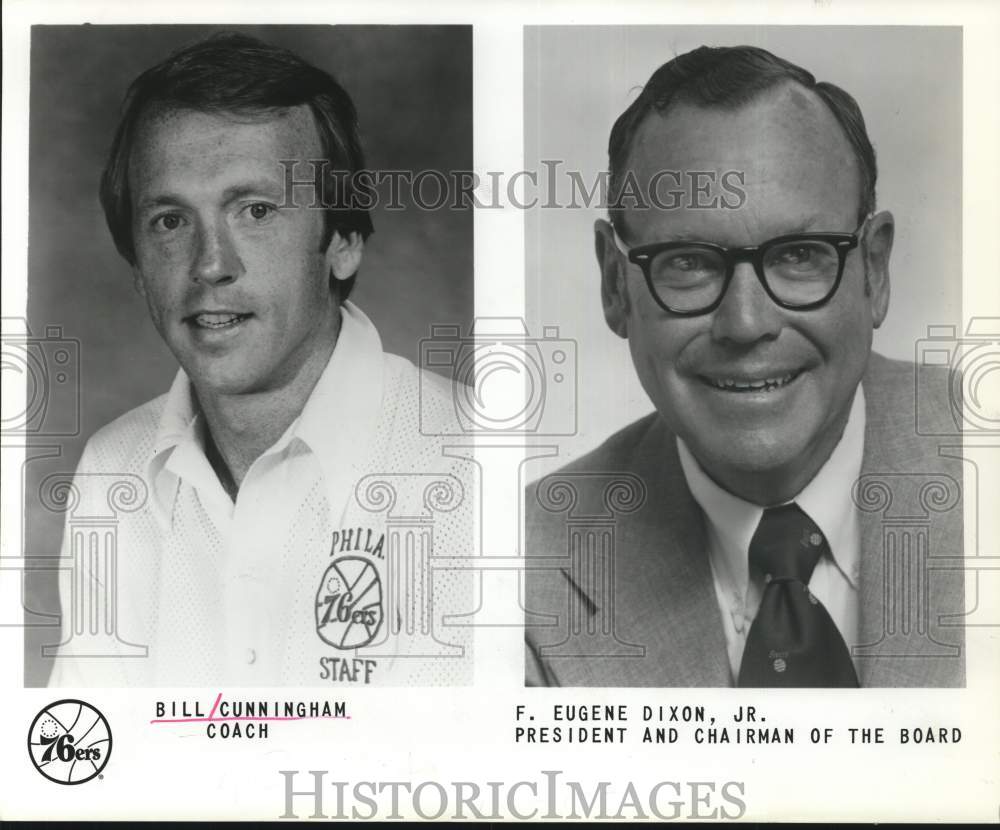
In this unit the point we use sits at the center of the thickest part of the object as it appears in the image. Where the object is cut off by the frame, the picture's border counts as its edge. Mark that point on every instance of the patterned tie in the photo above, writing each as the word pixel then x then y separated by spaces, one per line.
pixel 793 642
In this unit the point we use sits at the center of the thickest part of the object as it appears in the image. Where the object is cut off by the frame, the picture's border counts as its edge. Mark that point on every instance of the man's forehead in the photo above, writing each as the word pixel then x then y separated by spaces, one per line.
pixel 172 126
pixel 193 155
pixel 785 118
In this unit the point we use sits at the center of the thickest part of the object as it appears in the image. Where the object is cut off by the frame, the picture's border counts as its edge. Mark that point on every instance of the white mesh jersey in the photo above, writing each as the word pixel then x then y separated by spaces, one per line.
pixel 321 572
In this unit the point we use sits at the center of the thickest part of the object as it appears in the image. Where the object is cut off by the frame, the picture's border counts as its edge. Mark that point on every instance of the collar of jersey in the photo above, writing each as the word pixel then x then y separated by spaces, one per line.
pixel 337 424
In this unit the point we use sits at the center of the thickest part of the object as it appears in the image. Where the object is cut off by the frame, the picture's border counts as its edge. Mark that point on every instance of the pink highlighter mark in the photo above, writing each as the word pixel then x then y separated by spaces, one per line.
pixel 215 705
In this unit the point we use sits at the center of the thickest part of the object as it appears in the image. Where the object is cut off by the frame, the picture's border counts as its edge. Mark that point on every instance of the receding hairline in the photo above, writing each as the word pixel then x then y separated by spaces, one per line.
pixel 801 99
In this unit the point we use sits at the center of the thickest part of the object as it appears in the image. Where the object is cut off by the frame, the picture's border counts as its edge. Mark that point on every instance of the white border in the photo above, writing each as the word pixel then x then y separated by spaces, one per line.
pixel 466 734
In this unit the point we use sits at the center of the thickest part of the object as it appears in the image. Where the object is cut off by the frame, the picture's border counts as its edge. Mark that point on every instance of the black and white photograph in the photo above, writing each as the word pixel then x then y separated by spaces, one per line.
pixel 780 230
pixel 500 412
pixel 240 313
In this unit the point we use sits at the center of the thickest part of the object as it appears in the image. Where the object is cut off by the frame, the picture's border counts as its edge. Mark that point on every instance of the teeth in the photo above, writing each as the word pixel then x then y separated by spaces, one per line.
pixel 216 321
pixel 752 385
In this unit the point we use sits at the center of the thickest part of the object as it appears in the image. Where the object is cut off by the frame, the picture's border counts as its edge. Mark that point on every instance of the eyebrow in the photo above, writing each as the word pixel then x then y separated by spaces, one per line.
pixel 261 187
pixel 685 234
pixel 805 225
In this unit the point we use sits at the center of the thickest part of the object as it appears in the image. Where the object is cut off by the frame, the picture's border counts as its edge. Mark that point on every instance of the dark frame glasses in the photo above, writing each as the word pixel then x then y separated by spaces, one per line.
pixel 757 255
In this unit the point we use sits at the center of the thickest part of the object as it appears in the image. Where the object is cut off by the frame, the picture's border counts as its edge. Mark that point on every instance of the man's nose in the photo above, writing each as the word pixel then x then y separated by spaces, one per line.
pixel 746 314
pixel 216 259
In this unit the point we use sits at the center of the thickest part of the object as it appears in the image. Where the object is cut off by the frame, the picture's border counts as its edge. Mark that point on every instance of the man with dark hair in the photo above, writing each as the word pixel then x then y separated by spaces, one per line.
pixel 746 556
pixel 234 74
pixel 254 554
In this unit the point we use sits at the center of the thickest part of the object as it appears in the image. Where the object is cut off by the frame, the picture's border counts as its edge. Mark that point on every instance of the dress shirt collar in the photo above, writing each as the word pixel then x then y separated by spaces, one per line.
pixel 337 423
pixel 826 500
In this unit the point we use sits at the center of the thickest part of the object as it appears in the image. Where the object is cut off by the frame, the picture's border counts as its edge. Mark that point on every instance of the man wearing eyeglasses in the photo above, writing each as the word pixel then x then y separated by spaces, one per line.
pixel 745 560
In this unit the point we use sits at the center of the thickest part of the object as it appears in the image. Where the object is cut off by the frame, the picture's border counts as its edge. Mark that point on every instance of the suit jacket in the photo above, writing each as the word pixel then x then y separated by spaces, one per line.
pixel 619 587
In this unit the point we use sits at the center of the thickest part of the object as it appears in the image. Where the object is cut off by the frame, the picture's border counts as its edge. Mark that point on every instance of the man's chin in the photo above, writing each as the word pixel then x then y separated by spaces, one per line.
pixel 217 377
pixel 761 460
pixel 738 464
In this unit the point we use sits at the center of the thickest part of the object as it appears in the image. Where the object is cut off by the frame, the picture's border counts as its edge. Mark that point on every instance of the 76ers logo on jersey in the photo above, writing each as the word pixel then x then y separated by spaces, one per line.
pixel 349 603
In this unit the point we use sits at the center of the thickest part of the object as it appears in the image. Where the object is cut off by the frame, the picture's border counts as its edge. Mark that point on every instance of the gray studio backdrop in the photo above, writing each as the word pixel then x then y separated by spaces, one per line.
pixel 412 86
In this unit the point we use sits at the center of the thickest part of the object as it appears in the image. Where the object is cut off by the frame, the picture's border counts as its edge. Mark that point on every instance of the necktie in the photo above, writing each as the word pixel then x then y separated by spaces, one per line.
pixel 793 642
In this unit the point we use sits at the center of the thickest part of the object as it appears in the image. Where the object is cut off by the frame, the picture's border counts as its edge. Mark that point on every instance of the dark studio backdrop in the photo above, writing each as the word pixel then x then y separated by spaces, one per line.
pixel 412 86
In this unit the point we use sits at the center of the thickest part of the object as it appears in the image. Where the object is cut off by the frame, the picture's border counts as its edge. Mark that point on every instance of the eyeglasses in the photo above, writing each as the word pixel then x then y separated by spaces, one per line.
pixel 798 271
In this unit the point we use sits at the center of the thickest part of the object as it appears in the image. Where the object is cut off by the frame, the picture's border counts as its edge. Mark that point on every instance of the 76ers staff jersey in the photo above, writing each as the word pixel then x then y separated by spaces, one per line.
pixel 321 572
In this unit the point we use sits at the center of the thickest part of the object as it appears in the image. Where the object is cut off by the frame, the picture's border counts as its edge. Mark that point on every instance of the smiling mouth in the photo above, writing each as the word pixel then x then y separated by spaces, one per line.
pixel 743 385
pixel 217 320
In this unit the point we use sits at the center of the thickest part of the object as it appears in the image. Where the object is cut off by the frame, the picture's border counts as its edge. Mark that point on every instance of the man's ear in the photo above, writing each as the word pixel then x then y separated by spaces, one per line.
pixel 343 255
pixel 878 249
pixel 137 282
pixel 614 289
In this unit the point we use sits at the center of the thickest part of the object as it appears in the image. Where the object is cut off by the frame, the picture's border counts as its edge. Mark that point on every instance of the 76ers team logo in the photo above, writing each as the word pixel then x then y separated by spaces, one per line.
pixel 69 742
pixel 349 603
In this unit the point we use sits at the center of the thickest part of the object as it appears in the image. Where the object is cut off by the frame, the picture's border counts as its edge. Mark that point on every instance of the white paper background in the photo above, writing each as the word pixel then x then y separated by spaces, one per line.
pixel 467 734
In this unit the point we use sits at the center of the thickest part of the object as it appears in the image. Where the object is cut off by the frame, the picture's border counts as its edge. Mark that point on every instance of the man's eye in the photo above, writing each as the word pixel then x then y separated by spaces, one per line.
pixel 687 262
pixel 167 222
pixel 260 210
pixel 797 255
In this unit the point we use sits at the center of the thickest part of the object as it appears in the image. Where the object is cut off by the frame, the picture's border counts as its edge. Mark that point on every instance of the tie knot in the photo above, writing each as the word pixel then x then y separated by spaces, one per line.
pixel 786 544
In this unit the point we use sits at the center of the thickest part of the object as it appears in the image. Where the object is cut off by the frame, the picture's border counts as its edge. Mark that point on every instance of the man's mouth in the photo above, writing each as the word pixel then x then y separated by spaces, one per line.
pixel 217 319
pixel 744 384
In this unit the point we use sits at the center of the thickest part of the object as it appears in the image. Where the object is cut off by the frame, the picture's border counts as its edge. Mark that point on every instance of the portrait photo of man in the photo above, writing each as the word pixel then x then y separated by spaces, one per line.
pixel 749 530
pixel 243 526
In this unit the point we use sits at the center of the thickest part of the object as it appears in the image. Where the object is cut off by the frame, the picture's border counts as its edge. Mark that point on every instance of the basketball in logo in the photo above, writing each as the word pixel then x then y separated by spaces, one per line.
pixel 69 742
pixel 349 603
